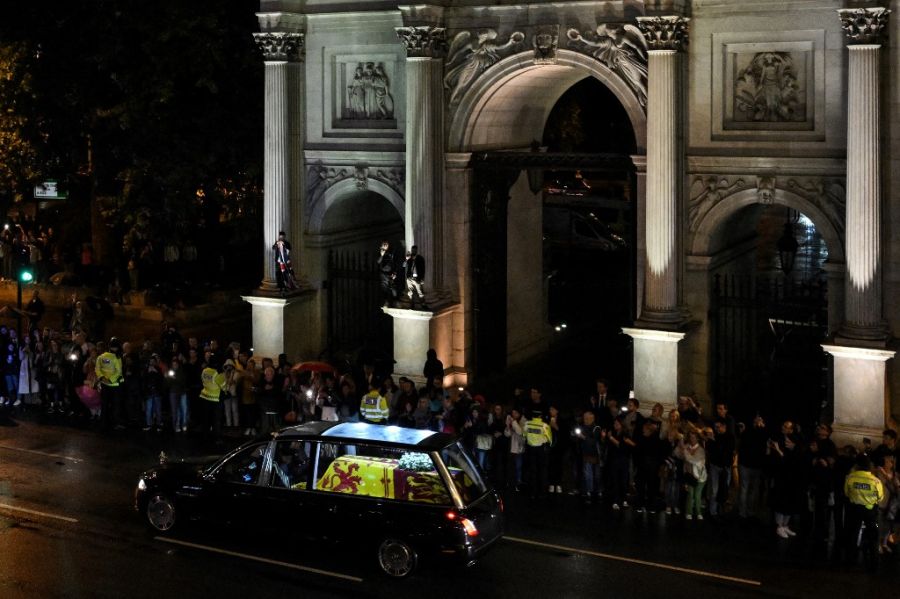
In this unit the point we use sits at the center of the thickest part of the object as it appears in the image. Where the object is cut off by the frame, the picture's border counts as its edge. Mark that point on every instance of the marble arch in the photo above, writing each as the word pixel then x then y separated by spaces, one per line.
pixel 719 215
pixel 333 194
pixel 516 96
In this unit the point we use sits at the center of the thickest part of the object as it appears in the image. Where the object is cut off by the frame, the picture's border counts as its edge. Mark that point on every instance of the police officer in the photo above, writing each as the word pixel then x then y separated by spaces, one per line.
pixel 538 437
pixel 864 491
pixel 374 407
pixel 213 382
pixel 109 374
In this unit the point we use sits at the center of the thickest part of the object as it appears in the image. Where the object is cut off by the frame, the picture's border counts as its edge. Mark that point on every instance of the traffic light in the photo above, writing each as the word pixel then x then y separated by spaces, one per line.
pixel 26 275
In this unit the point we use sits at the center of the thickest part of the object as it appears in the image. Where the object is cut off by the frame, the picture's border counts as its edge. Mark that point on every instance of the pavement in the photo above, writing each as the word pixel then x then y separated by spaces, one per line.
pixel 67 529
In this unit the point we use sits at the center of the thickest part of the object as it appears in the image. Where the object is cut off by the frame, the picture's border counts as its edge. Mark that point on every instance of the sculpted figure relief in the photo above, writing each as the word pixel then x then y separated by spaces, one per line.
pixel 468 58
pixel 767 90
pixel 623 50
pixel 369 93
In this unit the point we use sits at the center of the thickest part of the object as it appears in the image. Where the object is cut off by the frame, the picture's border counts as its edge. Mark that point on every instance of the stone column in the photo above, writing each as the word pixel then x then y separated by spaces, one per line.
pixel 279 50
pixel 424 146
pixel 860 358
pixel 863 302
pixel 665 37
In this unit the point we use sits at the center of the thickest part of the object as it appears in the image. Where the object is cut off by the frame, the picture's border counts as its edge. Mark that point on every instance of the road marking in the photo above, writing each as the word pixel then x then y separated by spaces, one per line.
pixel 639 562
pixel 6 506
pixel 49 455
pixel 261 559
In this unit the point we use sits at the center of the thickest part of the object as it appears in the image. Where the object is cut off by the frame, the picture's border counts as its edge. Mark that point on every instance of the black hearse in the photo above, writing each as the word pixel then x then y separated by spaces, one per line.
pixel 405 492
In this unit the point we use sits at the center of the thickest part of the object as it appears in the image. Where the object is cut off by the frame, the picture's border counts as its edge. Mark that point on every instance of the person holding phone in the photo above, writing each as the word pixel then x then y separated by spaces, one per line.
pixel 789 484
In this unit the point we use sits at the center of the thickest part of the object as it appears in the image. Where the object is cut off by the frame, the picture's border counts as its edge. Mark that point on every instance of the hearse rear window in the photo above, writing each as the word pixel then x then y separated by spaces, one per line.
pixel 381 472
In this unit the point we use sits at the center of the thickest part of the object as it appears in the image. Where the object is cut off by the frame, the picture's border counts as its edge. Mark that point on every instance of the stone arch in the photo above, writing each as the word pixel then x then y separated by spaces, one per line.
pixel 727 207
pixel 516 81
pixel 323 201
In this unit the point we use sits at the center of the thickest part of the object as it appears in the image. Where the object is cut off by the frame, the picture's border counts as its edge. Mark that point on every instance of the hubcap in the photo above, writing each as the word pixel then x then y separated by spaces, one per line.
pixel 161 513
pixel 395 557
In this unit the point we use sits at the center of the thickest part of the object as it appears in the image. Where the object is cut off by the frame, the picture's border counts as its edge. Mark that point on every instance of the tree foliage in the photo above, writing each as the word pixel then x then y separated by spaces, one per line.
pixel 141 102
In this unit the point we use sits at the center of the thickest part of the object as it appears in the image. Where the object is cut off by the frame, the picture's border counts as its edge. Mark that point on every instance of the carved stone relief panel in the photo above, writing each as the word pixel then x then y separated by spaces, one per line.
pixel 363 93
pixel 769 86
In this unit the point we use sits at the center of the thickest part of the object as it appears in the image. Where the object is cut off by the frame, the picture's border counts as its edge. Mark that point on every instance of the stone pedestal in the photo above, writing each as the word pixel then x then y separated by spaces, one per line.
pixel 655 366
pixel 279 324
pixel 412 340
pixel 860 401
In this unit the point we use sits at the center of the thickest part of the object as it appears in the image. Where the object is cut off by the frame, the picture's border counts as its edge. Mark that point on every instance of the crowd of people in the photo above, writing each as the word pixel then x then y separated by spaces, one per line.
pixel 683 463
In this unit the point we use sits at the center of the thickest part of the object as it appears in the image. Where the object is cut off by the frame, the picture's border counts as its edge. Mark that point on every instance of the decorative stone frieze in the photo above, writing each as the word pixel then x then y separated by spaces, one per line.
pixel 828 195
pixel 423 41
pixel 706 192
pixel 281 46
pixel 864 25
pixel 470 55
pixel 321 177
pixel 664 33
pixel 621 49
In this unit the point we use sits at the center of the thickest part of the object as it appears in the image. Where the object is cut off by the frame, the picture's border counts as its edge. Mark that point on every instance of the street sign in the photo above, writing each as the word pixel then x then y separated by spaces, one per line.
pixel 49 190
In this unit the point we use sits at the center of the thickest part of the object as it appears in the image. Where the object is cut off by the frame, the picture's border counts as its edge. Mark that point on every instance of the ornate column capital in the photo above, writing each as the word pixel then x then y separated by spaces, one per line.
pixel 864 26
pixel 281 46
pixel 664 33
pixel 423 41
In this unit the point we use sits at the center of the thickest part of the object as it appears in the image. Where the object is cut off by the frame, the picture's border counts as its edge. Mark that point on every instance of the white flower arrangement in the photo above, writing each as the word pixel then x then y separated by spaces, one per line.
pixel 417 462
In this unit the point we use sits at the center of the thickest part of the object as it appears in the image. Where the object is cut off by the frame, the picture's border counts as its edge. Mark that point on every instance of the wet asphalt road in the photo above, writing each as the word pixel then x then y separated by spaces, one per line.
pixel 67 529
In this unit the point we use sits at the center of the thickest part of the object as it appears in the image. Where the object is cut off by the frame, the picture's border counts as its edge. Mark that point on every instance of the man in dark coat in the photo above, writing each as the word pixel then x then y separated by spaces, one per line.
pixel 387 272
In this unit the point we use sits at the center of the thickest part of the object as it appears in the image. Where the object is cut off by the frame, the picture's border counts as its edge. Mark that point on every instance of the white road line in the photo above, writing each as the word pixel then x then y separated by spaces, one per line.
pixel 6 506
pixel 49 455
pixel 639 562
pixel 260 559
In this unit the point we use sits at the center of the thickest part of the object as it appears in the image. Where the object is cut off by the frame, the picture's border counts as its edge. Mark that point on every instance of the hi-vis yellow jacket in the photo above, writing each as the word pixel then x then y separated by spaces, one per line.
pixel 863 488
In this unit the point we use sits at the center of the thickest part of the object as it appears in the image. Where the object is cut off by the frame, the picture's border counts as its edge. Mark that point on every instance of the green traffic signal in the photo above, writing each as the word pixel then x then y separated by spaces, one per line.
pixel 26 276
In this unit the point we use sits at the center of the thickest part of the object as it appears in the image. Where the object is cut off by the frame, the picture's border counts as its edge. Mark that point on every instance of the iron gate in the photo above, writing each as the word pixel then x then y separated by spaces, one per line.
pixel 766 355
pixel 355 319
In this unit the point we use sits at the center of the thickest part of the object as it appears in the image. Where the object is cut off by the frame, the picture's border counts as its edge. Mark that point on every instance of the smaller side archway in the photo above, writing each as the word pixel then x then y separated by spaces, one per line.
pixel 323 202
pixel 702 243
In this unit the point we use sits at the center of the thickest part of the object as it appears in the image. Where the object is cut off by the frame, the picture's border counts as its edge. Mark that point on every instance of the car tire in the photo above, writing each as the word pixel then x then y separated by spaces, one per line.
pixel 161 513
pixel 396 558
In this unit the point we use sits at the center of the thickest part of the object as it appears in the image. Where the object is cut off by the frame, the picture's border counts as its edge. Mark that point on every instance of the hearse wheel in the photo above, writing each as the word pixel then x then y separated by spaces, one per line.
pixel 396 558
pixel 161 513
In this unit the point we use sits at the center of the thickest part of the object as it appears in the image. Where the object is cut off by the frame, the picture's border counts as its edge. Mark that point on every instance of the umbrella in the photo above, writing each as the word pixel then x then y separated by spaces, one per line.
pixel 314 367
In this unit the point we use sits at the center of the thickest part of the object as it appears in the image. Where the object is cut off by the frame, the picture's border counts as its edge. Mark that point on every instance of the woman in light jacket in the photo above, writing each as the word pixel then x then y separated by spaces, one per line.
pixel 694 456
pixel 515 432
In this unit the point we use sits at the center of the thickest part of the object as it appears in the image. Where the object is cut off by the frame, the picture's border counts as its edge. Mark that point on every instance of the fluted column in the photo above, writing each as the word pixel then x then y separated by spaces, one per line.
pixel 665 37
pixel 863 308
pixel 424 145
pixel 279 49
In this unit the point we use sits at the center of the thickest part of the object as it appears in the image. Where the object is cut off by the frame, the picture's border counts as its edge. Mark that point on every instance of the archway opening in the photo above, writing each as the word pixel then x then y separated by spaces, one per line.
pixel 589 229
pixel 351 231
pixel 554 233
pixel 769 316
